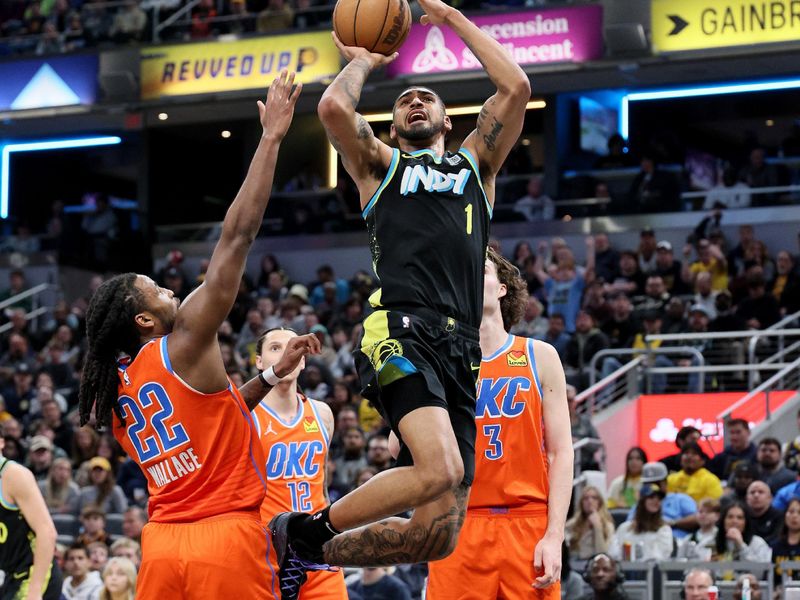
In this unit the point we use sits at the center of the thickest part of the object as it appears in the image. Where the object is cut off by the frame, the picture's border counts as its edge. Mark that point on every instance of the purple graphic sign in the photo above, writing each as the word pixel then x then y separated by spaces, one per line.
pixel 572 34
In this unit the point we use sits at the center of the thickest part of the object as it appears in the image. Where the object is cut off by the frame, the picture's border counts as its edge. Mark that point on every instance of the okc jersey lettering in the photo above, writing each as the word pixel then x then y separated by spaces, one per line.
pixel 294 459
pixel 490 404
pixel 432 180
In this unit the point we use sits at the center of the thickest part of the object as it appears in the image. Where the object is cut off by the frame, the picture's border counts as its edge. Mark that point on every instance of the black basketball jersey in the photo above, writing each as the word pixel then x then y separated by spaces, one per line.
pixel 428 225
pixel 16 537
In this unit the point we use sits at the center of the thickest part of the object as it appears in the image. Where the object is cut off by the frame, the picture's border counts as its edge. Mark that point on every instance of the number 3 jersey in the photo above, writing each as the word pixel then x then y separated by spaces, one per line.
pixel 295 454
pixel 511 467
pixel 428 225
pixel 199 452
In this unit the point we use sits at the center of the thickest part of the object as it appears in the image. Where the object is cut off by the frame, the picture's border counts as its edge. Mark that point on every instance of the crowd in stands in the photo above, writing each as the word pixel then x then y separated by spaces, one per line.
pixel 689 505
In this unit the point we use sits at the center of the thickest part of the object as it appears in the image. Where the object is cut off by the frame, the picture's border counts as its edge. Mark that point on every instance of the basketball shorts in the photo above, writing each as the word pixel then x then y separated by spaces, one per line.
pixel 493 559
pixel 414 358
pixel 219 557
pixel 15 587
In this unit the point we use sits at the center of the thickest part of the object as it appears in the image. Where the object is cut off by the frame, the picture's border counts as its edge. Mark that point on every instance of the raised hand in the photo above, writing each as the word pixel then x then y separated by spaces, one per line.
pixel 277 112
pixel 436 12
pixel 296 349
pixel 350 53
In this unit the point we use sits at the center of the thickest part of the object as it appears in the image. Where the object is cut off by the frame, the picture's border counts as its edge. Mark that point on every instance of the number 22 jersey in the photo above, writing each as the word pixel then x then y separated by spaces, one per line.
pixel 199 452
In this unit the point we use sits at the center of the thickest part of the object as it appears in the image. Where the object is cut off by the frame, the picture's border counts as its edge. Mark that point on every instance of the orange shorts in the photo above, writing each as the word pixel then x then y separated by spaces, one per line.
pixel 320 585
pixel 493 559
pixel 220 557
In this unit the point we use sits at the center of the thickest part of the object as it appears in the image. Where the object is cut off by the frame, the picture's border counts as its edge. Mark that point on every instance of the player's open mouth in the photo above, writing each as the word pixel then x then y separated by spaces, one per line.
pixel 415 116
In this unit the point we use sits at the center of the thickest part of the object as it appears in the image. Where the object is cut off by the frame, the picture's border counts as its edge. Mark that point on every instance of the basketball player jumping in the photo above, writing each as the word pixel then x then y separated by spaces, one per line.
pixel 427 213
pixel 510 546
pixel 176 413
pixel 295 432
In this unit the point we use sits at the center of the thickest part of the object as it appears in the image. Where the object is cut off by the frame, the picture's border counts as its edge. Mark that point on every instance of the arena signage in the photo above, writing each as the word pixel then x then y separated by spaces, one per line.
pixel 660 417
pixel 48 82
pixel 699 24
pixel 239 65
pixel 572 34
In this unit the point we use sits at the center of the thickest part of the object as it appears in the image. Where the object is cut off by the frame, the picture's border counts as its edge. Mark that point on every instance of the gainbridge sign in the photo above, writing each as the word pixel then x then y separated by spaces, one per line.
pixel 698 24
pixel 240 65
pixel 661 416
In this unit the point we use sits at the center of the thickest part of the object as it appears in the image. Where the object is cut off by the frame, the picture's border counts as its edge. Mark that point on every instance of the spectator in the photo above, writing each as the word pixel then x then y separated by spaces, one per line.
pixel 594 302
pixel 93 526
pixel 59 491
pixel 727 319
pixel 101 228
pixel 629 279
pixel 697 583
pixel 378 455
pixel 787 546
pixel 785 287
pixel 736 257
pixel 556 334
pixel 129 24
pixel 17 284
pixel 522 251
pixel 655 297
pixel 606 259
pixel 730 191
pixel 621 328
pixel 767 521
pixel 686 435
pixel 743 475
pixel 605 579
pixel 533 323
pixel 535 205
pixel 278 16
pixel 618 156
pixel 98 555
pixel 102 491
pixel 772 471
pixel 564 283
pixel 647 251
pixel 40 457
pixel 51 41
pixel 19 394
pixel 678 510
pixel 647 530
pixel 759 310
pixel 675 319
pixel 84 445
pixel 346 419
pixel 700 543
pixel 133 521
pixel 709 259
pixel 705 295
pixel 81 583
pixel 74 39
pixel 739 448
pixel 758 173
pixel 581 426
pixel 785 494
pixel 203 16
pixel 694 479
pixel 325 274
pixel 653 190
pixel 119 580
pixel 590 530
pixel 51 415
pixel 376 584
pixel 751 581
pixel 587 341
pixel 735 538
pixel 571 582
pixel 127 548
pixel 351 460
pixel 624 490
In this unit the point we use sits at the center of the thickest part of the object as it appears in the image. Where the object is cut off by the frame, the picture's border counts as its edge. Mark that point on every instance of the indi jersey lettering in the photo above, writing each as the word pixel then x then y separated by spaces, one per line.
pixel 198 451
pixel 511 467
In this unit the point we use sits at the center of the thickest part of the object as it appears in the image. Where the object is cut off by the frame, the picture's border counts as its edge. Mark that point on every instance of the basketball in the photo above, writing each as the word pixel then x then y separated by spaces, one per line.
pixel 378 25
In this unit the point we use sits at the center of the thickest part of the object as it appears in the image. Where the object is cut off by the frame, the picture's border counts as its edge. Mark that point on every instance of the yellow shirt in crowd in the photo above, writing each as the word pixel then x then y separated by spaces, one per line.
pixel 719 274
pixel 700 484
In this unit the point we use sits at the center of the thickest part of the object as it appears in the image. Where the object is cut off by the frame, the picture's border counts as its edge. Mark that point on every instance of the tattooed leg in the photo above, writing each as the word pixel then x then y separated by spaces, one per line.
pixel 430 534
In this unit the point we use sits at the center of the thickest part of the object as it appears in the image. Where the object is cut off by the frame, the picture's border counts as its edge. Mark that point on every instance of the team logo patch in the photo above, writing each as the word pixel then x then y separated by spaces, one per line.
pixel 310 425
pixel 517 358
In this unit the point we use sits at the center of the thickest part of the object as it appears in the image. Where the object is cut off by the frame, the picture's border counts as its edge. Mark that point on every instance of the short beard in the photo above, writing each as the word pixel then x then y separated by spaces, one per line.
pixel 419 134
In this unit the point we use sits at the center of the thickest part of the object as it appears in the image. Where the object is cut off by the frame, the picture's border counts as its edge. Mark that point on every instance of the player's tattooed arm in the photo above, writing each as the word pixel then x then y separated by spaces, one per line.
pixel 254 391
pixel 394 541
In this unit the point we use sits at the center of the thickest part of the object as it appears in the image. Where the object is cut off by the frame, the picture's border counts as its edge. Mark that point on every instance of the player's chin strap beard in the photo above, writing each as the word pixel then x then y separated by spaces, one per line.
pixel 397 540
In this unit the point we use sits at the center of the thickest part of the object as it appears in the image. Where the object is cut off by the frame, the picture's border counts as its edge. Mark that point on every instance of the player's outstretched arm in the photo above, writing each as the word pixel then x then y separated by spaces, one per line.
pixel 206 308
pixel 296 349
pixel 363 155
pixel 558 443
pixel 21 489
pixel 500 120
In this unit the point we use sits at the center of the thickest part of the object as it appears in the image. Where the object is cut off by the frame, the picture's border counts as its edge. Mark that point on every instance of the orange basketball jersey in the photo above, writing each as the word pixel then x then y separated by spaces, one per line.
pixel 510 459
pixel 199 452
pixel 295 459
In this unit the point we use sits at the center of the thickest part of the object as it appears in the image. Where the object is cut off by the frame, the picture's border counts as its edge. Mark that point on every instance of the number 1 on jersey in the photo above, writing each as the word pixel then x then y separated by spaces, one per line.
pixel 468 210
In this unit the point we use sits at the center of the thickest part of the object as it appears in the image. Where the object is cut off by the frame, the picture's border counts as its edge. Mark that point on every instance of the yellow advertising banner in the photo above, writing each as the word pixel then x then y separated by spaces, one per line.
pixel 698 24
pixel 240 65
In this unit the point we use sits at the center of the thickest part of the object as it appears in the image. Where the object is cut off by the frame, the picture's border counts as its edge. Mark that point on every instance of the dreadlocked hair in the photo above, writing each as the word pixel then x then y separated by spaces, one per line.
pixel 110 331
pixel 512 305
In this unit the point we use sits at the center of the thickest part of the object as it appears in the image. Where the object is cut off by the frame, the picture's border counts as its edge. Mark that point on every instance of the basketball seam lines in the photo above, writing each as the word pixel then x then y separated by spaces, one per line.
pixel 355 23
pixel 406 9
pixel 380 31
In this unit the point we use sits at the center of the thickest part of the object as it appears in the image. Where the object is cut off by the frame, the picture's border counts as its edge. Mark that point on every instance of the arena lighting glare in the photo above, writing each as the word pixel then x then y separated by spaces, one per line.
pixel 387 116
pixel 66 144
pixel 710 90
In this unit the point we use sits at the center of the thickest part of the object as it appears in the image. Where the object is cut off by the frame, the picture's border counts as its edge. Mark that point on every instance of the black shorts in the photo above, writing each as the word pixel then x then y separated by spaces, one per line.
pixel 413 358
pixel 14 588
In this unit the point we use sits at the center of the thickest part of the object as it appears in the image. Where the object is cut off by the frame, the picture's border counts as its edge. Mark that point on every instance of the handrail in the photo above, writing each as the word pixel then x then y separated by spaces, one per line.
pixel 603 383
pixel 752 191
pixel 22 295
pixel 751 346
pixel 159 27
pixel 723 416
pixel 719 335
pixel 37 312
pixel 630 351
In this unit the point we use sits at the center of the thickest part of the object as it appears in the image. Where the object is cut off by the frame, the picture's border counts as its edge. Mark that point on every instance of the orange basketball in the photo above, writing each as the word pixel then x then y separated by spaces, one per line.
pixel 378 25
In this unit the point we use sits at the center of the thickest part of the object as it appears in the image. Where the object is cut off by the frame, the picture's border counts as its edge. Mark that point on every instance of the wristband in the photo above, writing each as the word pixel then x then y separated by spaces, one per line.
pixel 268 377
